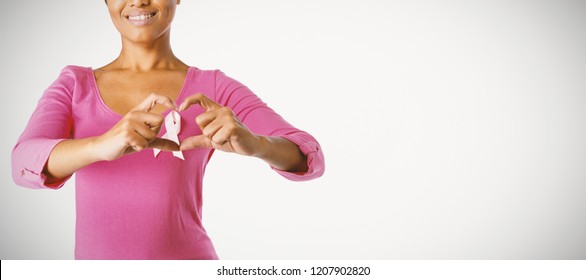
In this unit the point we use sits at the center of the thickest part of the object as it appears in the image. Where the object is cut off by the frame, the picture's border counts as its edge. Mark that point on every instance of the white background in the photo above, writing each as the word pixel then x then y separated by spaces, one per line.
pixel 451 129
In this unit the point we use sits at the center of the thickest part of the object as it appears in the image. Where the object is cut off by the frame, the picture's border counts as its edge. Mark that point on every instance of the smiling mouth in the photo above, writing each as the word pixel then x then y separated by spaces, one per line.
pixel 142 17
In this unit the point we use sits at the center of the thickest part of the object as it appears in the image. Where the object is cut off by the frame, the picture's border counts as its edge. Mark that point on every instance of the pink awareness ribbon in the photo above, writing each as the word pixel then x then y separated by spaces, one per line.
pixel 173 126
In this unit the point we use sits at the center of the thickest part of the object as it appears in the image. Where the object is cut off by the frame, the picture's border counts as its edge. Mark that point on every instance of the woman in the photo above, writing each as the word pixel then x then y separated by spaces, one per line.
pixel 101 124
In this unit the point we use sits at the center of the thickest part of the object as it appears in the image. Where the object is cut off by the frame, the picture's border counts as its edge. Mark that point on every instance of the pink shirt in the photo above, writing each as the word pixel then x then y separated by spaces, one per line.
pixel 139 206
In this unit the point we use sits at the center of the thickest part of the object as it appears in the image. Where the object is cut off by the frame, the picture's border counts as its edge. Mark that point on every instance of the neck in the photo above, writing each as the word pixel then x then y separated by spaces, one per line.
pixel 142 57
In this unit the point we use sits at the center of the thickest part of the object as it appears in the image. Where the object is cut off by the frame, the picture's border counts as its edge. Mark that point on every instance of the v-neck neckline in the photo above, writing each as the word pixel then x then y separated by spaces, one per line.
pixel 117 115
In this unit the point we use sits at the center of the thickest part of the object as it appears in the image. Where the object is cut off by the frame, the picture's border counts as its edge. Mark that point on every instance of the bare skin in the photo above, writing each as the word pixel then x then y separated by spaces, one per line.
pixel 143 82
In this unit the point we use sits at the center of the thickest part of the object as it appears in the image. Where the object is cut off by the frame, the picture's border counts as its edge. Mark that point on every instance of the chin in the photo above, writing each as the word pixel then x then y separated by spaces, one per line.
pixel 143 37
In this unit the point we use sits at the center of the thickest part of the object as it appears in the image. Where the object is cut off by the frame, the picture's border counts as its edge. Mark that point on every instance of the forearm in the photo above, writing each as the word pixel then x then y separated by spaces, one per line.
pixel 282 154
pixel 69 156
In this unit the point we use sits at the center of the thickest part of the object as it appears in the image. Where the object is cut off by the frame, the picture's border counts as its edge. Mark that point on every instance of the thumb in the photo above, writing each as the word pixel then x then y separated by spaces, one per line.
pixel 164 144
pixel 199 141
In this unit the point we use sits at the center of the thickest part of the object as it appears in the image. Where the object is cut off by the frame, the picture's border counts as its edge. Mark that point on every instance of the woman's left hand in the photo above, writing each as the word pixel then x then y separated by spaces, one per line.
pixel 221 129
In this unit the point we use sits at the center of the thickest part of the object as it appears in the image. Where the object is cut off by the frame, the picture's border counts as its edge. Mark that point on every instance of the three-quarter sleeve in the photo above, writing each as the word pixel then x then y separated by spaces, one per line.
pixel 50 123
pixel 261 119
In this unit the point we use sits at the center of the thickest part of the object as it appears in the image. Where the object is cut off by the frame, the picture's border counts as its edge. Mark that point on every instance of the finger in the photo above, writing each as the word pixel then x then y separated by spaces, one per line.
pixel 222 136
pixel 152 100
pixel 199 141
pixel 164 144
pixel 136 141
pixel 129 150
pixel 204 119
pixel 200 99
pixel 143 130
pixel 212 128
pixel 149 119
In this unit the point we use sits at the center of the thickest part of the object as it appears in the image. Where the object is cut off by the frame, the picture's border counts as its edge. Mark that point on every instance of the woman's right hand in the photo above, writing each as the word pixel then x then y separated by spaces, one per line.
pixel 136 131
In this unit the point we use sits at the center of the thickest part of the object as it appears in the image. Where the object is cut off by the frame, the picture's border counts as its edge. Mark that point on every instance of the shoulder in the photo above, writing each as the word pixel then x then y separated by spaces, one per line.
pixel 207 74
pixel 76 71
pixel 214 78
pixel 75 75
pixel 72 81
pixel 220 81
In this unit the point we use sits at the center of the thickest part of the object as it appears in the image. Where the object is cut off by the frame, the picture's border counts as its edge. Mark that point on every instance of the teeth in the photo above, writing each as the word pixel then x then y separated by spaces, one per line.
pixel 141 17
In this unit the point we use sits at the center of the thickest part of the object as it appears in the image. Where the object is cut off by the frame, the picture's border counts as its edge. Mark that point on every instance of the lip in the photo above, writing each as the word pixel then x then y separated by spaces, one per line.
pixel 140 18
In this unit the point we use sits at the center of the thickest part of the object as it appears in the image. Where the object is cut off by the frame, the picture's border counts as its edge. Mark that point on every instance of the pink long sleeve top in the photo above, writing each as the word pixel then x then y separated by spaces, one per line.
pixel 139 206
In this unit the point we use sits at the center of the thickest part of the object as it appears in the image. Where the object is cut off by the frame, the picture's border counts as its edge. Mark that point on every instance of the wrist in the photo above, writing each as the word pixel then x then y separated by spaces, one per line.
pixel 261 148
pixel 92 148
